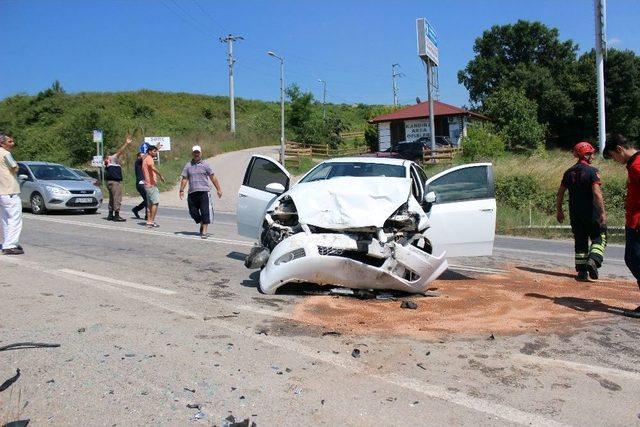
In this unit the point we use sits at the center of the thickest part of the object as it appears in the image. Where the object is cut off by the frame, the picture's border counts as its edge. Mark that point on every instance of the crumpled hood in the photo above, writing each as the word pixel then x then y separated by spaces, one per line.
pixel 350 202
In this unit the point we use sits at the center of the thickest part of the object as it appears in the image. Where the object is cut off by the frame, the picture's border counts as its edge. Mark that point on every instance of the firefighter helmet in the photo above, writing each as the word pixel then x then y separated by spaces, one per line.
pixel 583 149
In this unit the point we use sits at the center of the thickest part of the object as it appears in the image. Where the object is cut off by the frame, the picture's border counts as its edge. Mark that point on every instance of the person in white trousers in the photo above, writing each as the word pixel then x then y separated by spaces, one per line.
pixel 10 205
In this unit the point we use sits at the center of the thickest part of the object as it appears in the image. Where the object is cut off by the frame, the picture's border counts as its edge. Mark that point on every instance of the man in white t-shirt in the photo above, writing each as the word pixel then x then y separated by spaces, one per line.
pixel 10 205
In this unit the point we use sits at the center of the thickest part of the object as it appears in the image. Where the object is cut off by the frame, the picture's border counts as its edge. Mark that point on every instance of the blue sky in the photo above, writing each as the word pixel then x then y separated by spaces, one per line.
pixel 172 45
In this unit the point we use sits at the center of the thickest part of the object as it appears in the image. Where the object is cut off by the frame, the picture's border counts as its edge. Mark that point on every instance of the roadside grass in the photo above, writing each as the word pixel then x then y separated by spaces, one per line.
pixel 526 186
pixel 305 165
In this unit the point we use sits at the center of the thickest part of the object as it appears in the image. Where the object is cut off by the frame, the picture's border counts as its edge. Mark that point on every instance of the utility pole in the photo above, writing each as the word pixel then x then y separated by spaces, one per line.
pixel 395 74
pixel 281 59
pixel 229 41
pixel 324 98
pixel 601 51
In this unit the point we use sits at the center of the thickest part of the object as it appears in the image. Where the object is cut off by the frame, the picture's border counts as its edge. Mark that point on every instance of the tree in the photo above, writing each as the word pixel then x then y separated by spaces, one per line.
pixel 516 118
pixel 622 95
pixel 528 56
pixel 300 112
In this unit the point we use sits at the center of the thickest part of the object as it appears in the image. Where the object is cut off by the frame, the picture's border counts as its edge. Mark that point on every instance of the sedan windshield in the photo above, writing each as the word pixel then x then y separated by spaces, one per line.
pixel 336 169
pixel 53 173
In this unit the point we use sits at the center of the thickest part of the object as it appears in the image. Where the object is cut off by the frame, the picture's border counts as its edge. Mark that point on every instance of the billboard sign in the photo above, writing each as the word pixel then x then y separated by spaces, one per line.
pixel 96 162
pixel 97 135
pixel 427 41
pixel 164 142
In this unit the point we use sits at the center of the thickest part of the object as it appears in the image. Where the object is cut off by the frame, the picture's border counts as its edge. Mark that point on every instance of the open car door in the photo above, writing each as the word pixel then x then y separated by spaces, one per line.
pixel 463 216
pixel 254 198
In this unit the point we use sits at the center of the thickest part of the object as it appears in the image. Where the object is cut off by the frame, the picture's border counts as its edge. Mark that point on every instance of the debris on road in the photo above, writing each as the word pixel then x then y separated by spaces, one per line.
pixel 331 333
pixel 491 337
pixel 24 345
pixel 231 422
pixel 81 330
pixel 297 391
pixel 409 304
pixel 262 332
pixel 421 366
pixel 19 423
pixel 355 353
pixel 194 406
pixel 5 385
pixel 191 390
pixel 51 381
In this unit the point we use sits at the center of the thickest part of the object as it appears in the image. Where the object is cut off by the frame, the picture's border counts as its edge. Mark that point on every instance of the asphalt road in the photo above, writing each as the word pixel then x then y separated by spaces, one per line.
pixel 152 320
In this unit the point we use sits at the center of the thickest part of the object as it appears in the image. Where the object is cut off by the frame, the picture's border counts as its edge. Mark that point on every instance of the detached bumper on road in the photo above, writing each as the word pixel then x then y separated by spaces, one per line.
pixel 336 259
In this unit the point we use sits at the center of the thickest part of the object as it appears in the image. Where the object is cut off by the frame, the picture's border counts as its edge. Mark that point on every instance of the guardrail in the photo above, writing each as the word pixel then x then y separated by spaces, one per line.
pixel 441 154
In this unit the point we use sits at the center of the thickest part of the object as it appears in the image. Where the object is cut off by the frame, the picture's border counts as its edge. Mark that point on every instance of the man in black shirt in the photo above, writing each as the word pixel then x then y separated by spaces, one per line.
pixel 586 211
pixel 113 174
pixel 140 186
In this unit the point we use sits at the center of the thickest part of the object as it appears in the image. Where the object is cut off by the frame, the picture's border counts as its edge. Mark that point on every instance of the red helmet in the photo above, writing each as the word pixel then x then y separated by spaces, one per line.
pixel 583 149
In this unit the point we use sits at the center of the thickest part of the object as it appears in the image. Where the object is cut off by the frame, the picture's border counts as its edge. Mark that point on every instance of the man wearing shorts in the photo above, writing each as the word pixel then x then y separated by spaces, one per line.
pixel 198 173
pixel 150 172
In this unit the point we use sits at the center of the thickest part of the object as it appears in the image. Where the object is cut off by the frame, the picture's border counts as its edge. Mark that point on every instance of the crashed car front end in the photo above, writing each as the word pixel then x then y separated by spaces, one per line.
pixel 352 232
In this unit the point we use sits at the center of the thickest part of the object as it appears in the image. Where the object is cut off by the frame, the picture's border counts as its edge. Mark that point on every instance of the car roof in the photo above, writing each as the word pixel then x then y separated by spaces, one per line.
pixel 381 160
pixel 33 162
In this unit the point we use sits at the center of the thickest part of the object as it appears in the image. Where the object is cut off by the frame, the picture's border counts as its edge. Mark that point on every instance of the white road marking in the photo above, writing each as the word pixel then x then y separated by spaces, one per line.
pixel 553 254
pixel 477 269
pixel 118 282
pixel 142 231
pixel 581 367
pixel 499 410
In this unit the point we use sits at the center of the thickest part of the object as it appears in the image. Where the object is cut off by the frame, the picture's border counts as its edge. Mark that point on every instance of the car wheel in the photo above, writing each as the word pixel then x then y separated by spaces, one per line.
pixel 90 211
pixel 37 204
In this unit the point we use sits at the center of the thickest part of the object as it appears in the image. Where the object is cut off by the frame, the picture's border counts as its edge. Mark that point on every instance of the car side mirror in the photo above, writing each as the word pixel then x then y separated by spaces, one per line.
pixel 23 177
pixel 275 188
pixel 430 197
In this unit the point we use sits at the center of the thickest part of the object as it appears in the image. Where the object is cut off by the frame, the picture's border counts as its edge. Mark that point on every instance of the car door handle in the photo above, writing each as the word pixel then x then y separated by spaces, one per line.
pixel 242 195
pixel 486 210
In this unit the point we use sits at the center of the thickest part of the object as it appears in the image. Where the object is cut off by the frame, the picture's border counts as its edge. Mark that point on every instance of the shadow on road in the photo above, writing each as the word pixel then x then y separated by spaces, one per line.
pixel 239 256
pixel 454 275
pixel 586 305
pixel 187 233
pixel 547 272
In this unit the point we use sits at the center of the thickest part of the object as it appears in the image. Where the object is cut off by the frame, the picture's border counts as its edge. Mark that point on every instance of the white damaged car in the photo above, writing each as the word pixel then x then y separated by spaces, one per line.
pixel 364 222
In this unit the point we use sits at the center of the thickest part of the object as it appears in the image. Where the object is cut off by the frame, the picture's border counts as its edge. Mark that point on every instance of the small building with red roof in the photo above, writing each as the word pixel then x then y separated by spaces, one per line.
pixel 411 123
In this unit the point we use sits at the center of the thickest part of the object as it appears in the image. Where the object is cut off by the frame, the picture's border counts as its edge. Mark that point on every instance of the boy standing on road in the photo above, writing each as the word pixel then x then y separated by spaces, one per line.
pixel 113 174
pixel 623 151
pixel 586 212
pixel 140 187
pixel 198 173
pixel 149 172
pixel 10 204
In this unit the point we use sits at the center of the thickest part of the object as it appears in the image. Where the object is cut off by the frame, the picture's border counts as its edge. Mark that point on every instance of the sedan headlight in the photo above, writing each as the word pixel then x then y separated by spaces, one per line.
pixel 58 191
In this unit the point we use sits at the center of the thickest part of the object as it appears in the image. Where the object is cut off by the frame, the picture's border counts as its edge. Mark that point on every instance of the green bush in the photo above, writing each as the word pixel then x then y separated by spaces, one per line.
pixel 482 143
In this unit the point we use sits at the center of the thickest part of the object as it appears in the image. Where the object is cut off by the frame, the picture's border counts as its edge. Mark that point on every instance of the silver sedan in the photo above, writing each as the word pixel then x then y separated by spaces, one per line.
pixel 50 186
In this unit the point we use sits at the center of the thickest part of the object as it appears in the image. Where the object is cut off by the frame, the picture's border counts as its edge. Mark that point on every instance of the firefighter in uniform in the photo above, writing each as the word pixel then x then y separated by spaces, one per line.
pixel 586 212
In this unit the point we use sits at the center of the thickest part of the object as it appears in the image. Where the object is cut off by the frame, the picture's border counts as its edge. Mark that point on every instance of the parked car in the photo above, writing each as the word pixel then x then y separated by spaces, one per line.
pixel 50 186
pixel 413 150
pixel 364 222
pixel 82 174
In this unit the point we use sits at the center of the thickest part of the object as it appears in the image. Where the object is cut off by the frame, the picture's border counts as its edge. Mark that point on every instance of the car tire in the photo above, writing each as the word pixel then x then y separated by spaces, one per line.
pixel 37 204
pixel 90 211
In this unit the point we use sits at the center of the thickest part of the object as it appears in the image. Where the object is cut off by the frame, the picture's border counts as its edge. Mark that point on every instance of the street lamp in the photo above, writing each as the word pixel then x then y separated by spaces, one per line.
pixel 271 53
pixel 324 98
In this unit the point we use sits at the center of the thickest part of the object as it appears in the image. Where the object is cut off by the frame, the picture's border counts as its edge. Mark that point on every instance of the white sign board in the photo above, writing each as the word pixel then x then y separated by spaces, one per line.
pixel 415 129
pixel 427 41
pixel 97 162
pixel 163 141
pixel 97 135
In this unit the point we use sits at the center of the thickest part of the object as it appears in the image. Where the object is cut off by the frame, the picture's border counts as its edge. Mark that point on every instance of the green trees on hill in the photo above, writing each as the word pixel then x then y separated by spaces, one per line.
pixel 529 58
pixel 56 126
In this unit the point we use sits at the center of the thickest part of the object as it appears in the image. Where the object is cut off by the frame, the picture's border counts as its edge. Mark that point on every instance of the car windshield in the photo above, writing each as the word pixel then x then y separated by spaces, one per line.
pixel 336 169
pixel 53 173
pixel 81 173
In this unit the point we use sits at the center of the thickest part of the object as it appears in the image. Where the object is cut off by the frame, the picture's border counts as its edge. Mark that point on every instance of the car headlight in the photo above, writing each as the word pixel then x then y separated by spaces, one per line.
pixel 290 256
pixel 58 191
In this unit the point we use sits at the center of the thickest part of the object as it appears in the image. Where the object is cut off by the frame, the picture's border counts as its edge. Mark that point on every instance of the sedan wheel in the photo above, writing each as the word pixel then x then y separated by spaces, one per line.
pixel 37 204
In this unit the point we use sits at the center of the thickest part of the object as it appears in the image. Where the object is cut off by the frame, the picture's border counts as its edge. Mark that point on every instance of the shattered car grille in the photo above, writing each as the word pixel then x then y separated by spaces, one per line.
pixel 351 254
pixel 328 250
